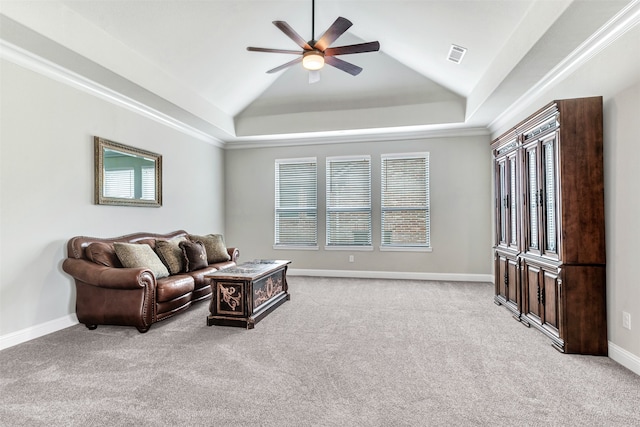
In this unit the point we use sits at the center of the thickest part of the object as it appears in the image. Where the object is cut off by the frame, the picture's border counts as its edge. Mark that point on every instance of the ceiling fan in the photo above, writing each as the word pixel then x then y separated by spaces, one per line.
pixel 316 53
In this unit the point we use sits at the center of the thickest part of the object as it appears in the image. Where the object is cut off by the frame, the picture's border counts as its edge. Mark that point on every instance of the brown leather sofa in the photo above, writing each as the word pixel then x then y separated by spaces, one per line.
pixel 109 294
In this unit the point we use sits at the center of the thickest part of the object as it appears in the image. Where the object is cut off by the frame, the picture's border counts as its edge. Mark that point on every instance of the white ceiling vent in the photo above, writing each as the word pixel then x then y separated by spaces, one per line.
pixel 456 53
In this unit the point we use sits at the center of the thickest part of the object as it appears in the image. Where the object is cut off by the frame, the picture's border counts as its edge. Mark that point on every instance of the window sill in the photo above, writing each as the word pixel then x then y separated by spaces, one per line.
pixel 405 249
pixel 295 248
pixel 349 248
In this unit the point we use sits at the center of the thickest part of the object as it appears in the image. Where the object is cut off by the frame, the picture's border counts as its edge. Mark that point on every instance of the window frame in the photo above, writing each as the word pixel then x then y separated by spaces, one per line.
pixel 405 246
pixel 292 209
pixel 329 209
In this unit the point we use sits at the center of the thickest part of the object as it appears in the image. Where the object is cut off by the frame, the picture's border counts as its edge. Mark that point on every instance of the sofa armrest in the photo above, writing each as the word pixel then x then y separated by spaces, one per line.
pixel 108 277
pixel 234 253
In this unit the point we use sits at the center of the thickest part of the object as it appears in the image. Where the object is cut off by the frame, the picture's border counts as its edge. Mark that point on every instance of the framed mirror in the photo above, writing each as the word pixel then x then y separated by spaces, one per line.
pixel 126 176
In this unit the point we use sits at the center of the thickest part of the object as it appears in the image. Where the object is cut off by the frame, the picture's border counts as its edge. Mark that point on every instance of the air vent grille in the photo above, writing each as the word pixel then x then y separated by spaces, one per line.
pixel 456 53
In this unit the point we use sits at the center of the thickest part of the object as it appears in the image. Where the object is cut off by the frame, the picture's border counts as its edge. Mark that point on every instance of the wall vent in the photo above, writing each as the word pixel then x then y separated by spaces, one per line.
pixel 456 53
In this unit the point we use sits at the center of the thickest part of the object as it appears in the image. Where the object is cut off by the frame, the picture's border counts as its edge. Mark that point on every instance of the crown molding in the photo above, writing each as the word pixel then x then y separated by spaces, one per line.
pixel 30 61
pixel 616 27
pixel 379 135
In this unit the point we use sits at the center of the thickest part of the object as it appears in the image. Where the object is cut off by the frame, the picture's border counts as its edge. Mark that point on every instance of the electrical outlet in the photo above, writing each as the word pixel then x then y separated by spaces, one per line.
pixel 351 258
pixel 626 320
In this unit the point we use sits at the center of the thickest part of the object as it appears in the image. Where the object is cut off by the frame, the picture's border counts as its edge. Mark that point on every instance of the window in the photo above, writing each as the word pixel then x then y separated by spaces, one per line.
pixel 296 203
pixel 405 200
pixel 348 201
pixel 148 183
pixel 119 183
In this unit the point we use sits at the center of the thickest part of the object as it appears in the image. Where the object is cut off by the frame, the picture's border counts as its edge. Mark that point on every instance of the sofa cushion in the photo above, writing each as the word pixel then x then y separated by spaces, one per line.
pixel 198 276
pixel 214 245
pixel 133 255
pixel 195 255
pixel 103 254
pixel 171 254
pixel 169 288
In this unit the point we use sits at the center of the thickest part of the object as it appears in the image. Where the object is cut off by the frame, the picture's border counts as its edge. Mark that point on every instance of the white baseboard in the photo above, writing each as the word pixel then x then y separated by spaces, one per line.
pixel 448 277
pixel 625 358
pixel 37 331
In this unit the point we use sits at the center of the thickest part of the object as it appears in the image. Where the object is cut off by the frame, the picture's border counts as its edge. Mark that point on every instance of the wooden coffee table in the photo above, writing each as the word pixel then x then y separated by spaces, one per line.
pixel 243 295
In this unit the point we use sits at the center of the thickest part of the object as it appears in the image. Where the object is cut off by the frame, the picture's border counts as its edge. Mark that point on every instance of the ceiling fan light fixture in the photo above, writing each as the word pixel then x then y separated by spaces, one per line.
pixel 313 60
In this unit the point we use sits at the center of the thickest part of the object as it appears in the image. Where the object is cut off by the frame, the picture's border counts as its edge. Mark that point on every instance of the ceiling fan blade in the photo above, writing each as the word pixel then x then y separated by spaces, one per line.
pixel 266 49
pixel 283 66
pixel 354 48
pixel 314 76
pixel 290 32
pixel 345 66
pixel 333 32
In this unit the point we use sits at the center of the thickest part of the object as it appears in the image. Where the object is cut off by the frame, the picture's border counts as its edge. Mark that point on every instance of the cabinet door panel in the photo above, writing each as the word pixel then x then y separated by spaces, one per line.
pixel 512 284
pixel 501 270
pixel 549 218
pixel 512 197
pixel 508 282
pixel 532 198
pixel 549 300
pixel 531 288
pixel 502 188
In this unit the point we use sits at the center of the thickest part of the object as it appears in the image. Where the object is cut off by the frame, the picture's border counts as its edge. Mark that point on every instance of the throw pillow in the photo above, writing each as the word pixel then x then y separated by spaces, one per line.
pixel 150 242
pixel 195 255
pixel 103 254
pixel 133 255
pixel 214 245
pixel 170 254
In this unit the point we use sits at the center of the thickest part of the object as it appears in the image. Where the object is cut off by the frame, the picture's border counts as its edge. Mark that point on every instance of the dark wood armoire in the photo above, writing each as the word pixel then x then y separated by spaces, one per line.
pixel 549 223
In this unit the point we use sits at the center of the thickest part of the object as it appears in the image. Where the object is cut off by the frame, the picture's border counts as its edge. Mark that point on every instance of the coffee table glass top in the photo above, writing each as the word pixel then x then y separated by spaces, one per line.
pixel 250 269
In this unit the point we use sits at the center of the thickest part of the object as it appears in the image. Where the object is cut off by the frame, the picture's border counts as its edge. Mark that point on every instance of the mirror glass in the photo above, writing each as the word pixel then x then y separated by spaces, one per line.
pixel 126 176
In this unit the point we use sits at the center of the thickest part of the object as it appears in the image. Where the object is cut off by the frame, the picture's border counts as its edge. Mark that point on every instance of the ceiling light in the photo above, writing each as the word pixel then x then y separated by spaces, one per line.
pixel 313 60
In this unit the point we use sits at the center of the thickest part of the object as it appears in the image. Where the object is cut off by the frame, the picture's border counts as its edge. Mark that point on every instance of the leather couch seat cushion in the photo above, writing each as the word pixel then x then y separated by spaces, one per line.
pixel 172 287
pixel 198 276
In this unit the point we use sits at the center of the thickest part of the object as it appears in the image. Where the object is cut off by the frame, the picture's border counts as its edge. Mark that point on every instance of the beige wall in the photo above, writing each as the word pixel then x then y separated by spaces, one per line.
pixel 622 195
pixel 460 176
pixel 46 189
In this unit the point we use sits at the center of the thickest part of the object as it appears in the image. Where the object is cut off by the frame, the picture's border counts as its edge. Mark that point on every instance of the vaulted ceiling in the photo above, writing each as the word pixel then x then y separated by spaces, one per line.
pixel 188 59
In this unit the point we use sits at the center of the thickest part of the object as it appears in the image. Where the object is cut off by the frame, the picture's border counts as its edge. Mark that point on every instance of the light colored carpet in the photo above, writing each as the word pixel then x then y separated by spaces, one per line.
pixel 342 352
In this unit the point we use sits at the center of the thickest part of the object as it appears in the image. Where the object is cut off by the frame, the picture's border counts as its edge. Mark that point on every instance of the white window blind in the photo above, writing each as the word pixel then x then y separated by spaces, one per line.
pixel 550 192
pixel 405 200
pixel 148 183
pixel 119 183
pixel 533 199
pixel 296 212
pixel 349 201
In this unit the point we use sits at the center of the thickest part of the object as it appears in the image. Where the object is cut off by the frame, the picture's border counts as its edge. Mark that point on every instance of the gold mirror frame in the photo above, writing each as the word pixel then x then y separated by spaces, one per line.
pixel 137 159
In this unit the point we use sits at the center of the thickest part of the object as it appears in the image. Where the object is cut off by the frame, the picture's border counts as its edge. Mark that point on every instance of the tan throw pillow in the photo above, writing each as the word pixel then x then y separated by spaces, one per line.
pixel 170 254
pixel 195 255
pixel 214 245
pixel 134 255
pixel 103 254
